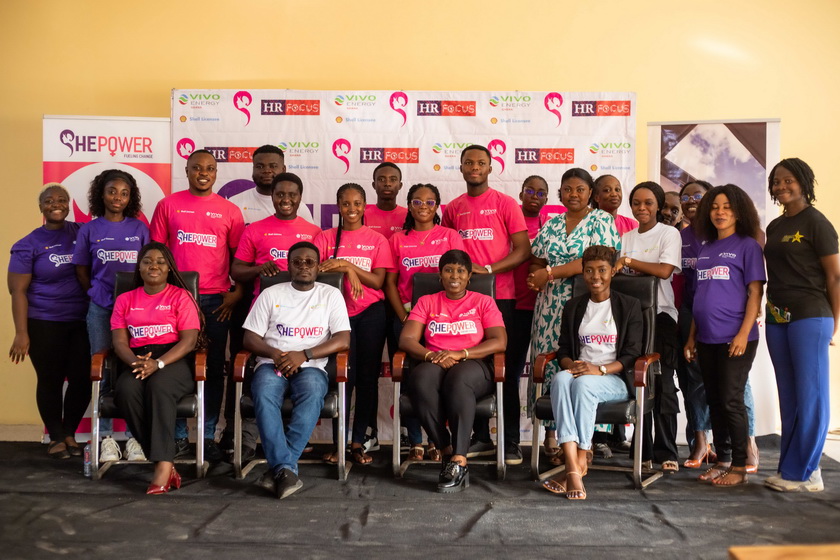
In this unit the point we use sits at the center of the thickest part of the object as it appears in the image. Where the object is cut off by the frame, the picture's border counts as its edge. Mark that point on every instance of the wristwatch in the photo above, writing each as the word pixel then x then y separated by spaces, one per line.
pixel 489 268
pixel 603 370
pixel 160 364
pixel 308 354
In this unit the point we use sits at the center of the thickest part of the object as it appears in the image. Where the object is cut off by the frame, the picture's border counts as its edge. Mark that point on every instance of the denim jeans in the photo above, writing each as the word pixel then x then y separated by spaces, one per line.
pixel 283 445
pixel 574 401
pixel 214 387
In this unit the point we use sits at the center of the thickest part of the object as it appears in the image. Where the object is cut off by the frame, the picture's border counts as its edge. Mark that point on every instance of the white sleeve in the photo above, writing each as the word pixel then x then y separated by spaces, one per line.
pixel 339 321
pixel 671 244
pixel 258 318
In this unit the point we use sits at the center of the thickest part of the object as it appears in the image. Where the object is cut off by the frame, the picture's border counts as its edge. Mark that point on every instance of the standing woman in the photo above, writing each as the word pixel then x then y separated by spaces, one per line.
pixel 48 309
pixel 803 316
pixel 724 333
pixel 363 256
pixel 104 246
pixel 654 248
pixel 555 258
pixel 417 248
pixel 607 195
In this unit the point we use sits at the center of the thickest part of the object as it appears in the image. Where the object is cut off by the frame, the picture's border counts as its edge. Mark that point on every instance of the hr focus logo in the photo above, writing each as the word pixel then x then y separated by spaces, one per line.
pixel 544 155
pixel 341 149
pixel 130 146
pixel 398 103
pixel 497 149
pixel 395 155
pixel 241 101
pixel 300 107
pixel 553 101
pixel 601 108
pixel 445 108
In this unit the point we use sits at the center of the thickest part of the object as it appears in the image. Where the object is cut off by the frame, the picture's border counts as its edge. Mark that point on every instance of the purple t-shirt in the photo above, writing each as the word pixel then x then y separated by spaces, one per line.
pixel 690 250
pixel 107 248
pixel 54 293
pixel 724 270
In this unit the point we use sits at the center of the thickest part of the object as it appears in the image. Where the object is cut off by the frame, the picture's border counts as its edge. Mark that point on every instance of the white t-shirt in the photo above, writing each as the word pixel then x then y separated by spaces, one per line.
pixel 597 334
pixel 256 206
pixel 291 319
pixel 660 244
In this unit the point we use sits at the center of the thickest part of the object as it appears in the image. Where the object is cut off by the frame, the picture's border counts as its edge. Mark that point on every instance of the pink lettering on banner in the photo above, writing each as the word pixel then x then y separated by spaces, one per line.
pixel 480 234
pixel 455 328
pixel 150 331
pixel 300 332
pixel 597 339
pixel 116 256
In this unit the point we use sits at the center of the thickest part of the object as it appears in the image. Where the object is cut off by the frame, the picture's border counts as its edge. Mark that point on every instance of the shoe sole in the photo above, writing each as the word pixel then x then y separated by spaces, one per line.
pixel 291 490
pixel 804 487
pixel 517 461
pixel 485 453
pixel 454 489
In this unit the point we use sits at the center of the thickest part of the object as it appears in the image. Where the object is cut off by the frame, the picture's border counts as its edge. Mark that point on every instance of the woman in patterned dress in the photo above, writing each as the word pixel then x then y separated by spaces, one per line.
pixel 555 258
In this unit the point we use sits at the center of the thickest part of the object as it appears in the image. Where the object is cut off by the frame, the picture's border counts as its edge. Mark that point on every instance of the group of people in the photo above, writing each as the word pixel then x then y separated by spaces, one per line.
pixel 716 260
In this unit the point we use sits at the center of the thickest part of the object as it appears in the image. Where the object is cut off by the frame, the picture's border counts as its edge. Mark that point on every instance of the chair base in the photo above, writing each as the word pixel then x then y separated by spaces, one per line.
pixel 201 471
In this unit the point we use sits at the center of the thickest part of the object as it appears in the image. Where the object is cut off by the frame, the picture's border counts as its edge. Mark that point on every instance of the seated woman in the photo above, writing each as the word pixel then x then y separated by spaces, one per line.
pixel 461 328
pixel 155 328
pixel 600 339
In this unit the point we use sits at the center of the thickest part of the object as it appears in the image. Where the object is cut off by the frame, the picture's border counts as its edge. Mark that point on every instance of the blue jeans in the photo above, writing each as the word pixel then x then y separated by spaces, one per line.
pixel 574 401
pixel 283 445
pixel 214 387
pixel 799 351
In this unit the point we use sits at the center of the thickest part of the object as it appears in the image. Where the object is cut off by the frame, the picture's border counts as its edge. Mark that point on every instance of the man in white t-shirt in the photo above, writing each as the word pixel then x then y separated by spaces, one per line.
pixel 293 328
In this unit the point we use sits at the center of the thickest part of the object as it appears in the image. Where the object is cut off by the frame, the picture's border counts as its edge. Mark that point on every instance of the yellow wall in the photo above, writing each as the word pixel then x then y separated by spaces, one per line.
pixel 712 60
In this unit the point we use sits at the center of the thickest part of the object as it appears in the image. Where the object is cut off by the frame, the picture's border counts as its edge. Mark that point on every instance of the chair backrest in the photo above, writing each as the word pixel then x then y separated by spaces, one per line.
pixel 426 283
pixel 125 282
pixel 642 288
pixel 333 279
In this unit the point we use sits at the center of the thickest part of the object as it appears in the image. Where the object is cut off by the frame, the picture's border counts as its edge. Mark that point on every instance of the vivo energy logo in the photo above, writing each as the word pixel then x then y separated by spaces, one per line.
pixel 305 107
pixel 398 103
pixel 341 149
pixel 128 146
pixel 601 108
pixel 200 100
pixel 185 147
pixel 544 155
pixel 300 147
pixel 394 155
pixel 445 108
pixel 608 149
pixel 241 101
pixel 355 101
pixel 450 149
pixel 553 101
pixel 510 102
pixel 497 150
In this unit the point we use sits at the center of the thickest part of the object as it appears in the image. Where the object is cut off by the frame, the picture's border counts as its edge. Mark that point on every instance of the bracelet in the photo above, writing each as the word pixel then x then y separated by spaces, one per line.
pixel 426 357
pixel 550 275
pixel 466 354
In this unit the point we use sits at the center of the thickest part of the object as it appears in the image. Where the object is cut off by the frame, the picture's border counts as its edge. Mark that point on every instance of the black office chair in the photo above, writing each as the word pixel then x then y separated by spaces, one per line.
pixel 334 404
pixel 425 283
pixel 634 410
pixel 190 406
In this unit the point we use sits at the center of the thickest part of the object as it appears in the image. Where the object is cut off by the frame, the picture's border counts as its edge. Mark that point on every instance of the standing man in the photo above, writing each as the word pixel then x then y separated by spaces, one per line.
pixel 202 229
pixel 292 328
pixel 496 237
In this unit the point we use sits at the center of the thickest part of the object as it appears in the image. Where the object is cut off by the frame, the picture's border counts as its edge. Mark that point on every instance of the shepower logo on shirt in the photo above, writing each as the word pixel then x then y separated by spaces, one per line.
pixel 59 260
pixel 362 262
pixel 596 339
pixel 278 253
pixel 299 332
pixel 418 262
pixel 116 256
pixel 150 331
pixel 454 328
pixel 201 239
pixel 714 273
pixel 478 234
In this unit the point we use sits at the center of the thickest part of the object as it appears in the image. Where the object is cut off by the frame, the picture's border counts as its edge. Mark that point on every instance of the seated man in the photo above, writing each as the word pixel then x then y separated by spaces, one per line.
pixel 292 328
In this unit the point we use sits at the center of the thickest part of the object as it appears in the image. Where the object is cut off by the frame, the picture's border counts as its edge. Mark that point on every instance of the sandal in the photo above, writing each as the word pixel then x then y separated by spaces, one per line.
pixel 721 481
pixel 60 453
pixel 555 486
pixel 73 447
pixel 576 494
pixel 359 456
pixel 550 447
pixel 715 471
pixel 331 458
pixel 434 453
pixel 670 467
pixel 416 453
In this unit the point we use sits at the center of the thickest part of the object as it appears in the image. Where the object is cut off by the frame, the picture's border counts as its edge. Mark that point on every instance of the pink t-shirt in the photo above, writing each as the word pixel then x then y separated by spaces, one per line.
pixel 624 224
pixel 455 324
pixel 486 223
pixel 270 240
pixel 526 298
pixel 199 230
pixel 385 222
pixel 364 248
pixel 157 318
pixel 420 251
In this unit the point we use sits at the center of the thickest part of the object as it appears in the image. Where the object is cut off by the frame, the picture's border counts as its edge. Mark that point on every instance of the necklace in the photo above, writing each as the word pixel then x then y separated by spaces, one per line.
pixel 423 241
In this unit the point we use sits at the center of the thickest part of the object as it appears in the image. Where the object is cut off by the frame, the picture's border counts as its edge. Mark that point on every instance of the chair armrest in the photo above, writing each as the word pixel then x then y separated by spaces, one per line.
pixel 201 365
pixel 239 364
pixel 97 365
pixel 499 367
pixel 398 366
pixel 539 366
pixel 341 360
pixel 641 367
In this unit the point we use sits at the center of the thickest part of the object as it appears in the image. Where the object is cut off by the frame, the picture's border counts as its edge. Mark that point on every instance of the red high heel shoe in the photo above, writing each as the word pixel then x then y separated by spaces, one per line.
pixel 174 480
pixel 708 457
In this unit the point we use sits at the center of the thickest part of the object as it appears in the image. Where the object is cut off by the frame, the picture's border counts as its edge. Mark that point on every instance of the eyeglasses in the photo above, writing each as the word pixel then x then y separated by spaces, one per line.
pixel 304 263
pixel 417 203
pixel 695 197
pixel 532 192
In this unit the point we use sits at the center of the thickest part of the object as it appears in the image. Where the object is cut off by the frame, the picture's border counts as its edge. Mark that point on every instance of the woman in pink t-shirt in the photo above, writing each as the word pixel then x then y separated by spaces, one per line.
pixel 459 328
pixel 155 327
pixel 607 196
pixel 363 256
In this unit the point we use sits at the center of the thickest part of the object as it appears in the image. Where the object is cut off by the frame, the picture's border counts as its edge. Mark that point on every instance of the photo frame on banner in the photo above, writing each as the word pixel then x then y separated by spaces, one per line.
pixel 740 152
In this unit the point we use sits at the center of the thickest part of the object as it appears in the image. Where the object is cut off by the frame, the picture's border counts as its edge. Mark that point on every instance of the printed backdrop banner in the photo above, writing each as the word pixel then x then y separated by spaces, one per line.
pixel 336 137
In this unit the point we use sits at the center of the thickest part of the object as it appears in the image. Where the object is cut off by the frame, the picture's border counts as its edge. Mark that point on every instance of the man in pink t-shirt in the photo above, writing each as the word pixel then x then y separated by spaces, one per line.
pixel 386 216
pixel 202 230
pixel 496 237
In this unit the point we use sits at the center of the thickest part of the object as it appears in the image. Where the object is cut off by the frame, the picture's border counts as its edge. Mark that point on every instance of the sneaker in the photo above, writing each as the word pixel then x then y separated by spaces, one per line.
pixel 480 448
pixel 513 455
pixel 266 481
pixel 248 454
pixel 226 443
pixel 813 484
pixel 602 451
pixel 371 442
pixel 620 446
pixel 182 448
pixel 212 453
pixel 133 451
pixel 286 483
pixel 109 450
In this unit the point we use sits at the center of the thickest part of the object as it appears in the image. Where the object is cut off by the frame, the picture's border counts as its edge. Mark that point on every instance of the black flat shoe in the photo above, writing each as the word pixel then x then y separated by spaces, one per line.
pixel 454 478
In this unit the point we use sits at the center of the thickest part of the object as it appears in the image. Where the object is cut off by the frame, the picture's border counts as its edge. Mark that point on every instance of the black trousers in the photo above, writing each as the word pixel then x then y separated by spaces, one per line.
pixel 440 396
pixel 149 405
pixel 661 435
pixel 725 379
pixel 250 433
pixel 59 350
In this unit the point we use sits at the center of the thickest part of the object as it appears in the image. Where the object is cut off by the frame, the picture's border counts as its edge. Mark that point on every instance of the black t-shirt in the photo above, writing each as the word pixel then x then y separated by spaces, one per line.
pixel 796 279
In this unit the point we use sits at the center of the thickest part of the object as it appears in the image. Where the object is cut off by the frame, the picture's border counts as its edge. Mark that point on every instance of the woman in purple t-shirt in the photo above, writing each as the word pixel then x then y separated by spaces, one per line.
pixel 48 308
pixel 724 336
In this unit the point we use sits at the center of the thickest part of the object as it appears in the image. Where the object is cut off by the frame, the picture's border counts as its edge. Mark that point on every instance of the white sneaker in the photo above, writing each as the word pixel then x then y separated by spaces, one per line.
pixel 109 450
pixel 813 484
pixel 133 451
